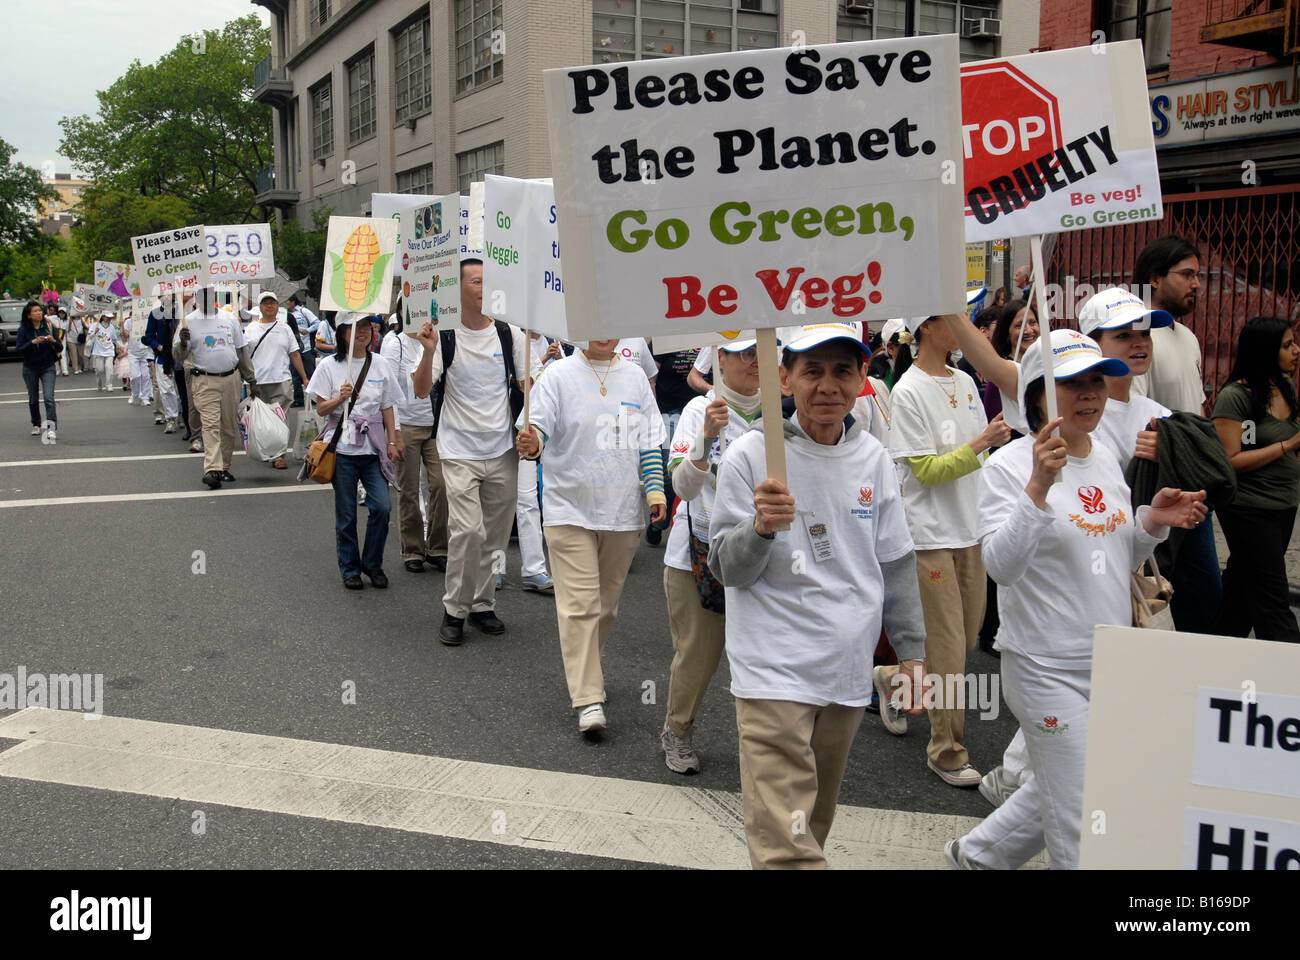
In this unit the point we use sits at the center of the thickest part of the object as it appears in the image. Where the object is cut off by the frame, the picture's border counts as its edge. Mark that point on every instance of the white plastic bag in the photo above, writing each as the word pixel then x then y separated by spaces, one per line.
pixel 265 429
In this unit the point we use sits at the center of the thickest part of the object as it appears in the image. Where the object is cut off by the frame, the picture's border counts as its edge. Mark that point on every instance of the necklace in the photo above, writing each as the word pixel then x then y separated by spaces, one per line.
pixel 952 397
pixel 609 366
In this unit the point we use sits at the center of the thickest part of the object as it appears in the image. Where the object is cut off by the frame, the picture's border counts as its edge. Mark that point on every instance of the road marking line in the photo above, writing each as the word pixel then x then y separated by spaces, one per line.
pixel 534 809
pixel 165 495
pixel 57 390
pixel 153 456
pixel 60 399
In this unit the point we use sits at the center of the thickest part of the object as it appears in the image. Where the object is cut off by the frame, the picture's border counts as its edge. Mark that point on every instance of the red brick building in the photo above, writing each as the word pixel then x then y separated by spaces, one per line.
pixel 1224 87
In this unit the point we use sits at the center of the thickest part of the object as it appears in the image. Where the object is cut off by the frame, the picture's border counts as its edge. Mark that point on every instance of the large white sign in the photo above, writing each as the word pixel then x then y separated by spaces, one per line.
pixel 239 252
pixel 522 282
pixel 1170 733
pixel 118 279
pixel 1057 141
pixel 429 255
pixel 1215 840
pixel 769 187
pixel 171 261
pixel 87 298
pixel 392 205
pixel 358 274
pixel 474 221
pixel 1226 107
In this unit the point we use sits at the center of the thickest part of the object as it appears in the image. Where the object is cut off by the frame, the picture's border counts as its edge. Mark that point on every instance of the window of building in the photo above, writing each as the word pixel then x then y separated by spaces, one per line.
pixel 883 19
pixel 322 120
pixel 472 165
pixel 480 43
pixel 650 29
pixel 1145 20
pixel 416 180
pixel 412 94
pixel 319 12
pixel 361 98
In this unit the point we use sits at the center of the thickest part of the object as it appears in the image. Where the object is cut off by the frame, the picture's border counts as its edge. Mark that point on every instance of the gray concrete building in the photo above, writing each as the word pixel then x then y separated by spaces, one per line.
pixel 394 96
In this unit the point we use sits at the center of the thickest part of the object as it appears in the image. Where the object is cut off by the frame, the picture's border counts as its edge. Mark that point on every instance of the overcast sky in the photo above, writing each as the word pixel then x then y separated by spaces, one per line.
pixel 92 43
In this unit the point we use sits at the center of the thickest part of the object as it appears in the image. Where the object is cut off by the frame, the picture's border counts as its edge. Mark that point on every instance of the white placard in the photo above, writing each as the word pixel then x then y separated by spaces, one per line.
pixel 781 186
pixel 89 299
pixel 118 279
pixel 474 238
pixel 1247 741
pixel 1059 140
pixel 429 260
pixel 391 205
pixel 522 281
pixel 171 261
pixel 359 255
pixel 239 252
pixel 1218 840
pixel 464 226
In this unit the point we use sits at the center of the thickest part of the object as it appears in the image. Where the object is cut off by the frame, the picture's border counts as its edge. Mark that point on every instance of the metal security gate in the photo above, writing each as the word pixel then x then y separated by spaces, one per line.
pixel 1249 241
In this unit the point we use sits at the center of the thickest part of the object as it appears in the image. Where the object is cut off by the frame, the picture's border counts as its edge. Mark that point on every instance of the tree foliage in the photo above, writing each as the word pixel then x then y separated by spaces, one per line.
pixel 21 192
pixel 301 253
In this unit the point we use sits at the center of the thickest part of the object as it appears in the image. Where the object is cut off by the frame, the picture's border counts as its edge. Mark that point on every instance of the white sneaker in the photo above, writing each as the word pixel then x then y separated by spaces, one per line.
pixel 36 431
pixel 679 755
pixel 591 718
pixel 964 776
pixel 171 427
pixel 956 859
pixel 997 787
pixel 895 720
pixel 50 437
pixel 130 401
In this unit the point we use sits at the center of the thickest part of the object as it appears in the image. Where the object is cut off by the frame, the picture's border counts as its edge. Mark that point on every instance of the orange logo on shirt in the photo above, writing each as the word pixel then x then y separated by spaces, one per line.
pixel 1091 497
pixel 864 496
pixel 681 446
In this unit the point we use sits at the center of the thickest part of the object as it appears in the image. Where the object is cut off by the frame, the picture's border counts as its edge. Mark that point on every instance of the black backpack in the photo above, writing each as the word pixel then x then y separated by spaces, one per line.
pixel 447 340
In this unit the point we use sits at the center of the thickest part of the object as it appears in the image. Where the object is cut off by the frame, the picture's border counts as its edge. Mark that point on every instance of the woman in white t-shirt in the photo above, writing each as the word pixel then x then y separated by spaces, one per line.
pixel 708 424
pixel 1062 554
pixel 105 347
pixel 368 443
pixel 597 428
pixel 139 357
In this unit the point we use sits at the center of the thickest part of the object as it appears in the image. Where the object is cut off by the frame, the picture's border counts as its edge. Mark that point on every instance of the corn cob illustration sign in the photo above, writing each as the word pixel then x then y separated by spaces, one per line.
pixel 359 254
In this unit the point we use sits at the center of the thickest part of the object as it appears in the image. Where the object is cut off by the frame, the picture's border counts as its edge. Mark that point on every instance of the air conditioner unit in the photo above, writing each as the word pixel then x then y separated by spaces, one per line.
pixel 858 7
pixel 983 27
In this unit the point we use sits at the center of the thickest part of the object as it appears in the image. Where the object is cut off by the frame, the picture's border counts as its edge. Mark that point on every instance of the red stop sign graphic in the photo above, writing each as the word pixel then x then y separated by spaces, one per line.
pixel 1007 121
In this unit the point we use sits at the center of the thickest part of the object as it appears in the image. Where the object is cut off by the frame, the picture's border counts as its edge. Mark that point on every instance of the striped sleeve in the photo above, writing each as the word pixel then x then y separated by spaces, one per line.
pixel 652 476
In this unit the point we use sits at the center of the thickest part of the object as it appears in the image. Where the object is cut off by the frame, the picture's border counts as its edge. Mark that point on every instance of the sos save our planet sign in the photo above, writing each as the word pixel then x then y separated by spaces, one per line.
pixel 759 188
pixel 429 263
pixel 1057 141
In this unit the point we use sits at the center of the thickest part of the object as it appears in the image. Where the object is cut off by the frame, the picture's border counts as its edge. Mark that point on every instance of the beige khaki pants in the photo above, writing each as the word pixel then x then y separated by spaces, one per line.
pixel 417 541
pixel 699 637
pixel 281 393
pixel 216 399
pixel 792 758
pixel 589 568
pixel 480 508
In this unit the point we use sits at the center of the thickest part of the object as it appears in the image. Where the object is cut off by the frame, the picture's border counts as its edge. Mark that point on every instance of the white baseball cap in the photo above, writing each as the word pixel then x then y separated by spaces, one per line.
pixel 1072 354
pixel 975 295
pixel 890 328
pixel 737 346
pixel 815 334
pixel 914 324
pixel 1115 308
pixel 268 295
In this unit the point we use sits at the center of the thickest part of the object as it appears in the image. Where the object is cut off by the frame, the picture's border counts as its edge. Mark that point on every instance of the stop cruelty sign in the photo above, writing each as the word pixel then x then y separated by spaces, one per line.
pixel 1059 140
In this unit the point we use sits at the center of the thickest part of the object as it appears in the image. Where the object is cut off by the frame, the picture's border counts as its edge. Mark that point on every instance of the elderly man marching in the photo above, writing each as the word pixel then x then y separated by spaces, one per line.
pixel 274 350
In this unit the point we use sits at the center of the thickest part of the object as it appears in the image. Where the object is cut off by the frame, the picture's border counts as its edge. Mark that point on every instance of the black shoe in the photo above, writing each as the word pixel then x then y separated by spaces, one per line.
pixel 653 535
pixel 486 621
pixel 354 582
pixel 452 631
pixel 188 438
pixel 377 578
pixel 438 563
pixel 227 476
pixel 415 566
pixel 213 479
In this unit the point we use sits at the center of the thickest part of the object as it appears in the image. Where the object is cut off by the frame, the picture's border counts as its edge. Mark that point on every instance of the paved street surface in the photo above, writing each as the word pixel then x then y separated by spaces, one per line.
pixel 226 741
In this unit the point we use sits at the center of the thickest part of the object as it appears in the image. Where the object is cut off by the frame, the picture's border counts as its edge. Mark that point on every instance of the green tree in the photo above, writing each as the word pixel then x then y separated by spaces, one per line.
pixel 185 128
pixel 301 253
pixel 111 216
pixel 21 193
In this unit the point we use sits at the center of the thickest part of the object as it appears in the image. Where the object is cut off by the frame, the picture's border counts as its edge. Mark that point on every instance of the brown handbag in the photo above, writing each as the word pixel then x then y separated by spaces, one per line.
pixel 321 457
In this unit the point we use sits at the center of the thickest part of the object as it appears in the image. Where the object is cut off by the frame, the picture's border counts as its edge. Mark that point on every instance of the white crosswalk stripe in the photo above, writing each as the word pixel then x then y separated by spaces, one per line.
pixel 493 803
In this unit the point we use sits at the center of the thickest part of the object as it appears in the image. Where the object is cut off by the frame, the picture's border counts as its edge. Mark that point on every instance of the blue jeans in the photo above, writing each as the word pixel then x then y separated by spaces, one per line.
pixel 347 471
pixel 1195 577
pixel 45 379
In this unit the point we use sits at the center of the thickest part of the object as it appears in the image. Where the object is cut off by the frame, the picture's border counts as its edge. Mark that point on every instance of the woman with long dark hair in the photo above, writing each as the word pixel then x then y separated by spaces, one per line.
pixel 39 347
pixel 1255 416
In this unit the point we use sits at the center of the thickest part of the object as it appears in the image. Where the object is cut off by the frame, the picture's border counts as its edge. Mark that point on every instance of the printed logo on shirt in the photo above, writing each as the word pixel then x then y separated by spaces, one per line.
pixel 681 446
pixel 1051 725
pixel 864 496
pixel 1091 498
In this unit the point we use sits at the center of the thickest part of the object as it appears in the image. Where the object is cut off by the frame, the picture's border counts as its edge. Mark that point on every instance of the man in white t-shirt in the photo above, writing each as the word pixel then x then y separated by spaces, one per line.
pixel 275 351
pixel 937 432
pixel 475 430
pixel 212 338
pixel 1170 267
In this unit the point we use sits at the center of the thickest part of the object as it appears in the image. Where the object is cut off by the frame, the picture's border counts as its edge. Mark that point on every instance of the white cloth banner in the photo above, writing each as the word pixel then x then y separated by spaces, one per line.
pixel 522 282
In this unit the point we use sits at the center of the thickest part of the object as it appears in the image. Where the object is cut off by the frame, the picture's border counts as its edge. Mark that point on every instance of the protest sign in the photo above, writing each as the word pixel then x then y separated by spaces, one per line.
pixel 474 238
pixel 89 299
pixel 392 205
pixel 782 186
pixel 171 261
pixel 464 226
pixel 429 258
pixel 1059 140
pixel 119 279
pixel 358 272
pixel 1218 760
pixel 522 283
pixel 239 252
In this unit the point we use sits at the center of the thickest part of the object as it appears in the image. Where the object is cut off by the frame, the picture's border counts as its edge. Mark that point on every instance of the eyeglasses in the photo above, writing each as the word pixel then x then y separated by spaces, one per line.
pixel 748 355
pixel 1189 274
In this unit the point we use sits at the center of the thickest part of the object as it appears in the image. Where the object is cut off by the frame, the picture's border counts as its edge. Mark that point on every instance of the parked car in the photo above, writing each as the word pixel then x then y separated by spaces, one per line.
pixel 11 314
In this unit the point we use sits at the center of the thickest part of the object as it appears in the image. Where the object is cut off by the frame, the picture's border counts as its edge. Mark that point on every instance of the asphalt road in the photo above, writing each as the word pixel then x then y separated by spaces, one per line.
pixel 263 637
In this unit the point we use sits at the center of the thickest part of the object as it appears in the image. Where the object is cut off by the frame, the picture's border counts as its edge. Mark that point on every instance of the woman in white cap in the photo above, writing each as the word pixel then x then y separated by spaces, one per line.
pixel 708 425
pixel 811 568
pixel 274 350
pixel 938 431
pixel 105 344
pixel 1062 554
pixel 361 386
pixel 595 424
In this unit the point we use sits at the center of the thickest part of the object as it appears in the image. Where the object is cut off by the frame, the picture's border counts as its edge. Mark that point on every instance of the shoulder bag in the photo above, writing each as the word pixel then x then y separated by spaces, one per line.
pixel 713 595
pixel 320 455
pixel 1151 598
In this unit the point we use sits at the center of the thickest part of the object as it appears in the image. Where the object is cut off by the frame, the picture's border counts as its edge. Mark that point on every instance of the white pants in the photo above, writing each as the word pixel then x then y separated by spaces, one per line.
pixel 1047 810
pixel 141 386
pixel 529 519
pixel 167 392
pixel 1015 761
pixel 103 372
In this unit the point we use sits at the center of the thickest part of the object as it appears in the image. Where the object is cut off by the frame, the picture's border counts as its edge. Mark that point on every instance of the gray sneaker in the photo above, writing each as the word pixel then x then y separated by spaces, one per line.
pixel 956 859
pixel 679 755
pixel 997 787
pixel 964 776
pixel 895 720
